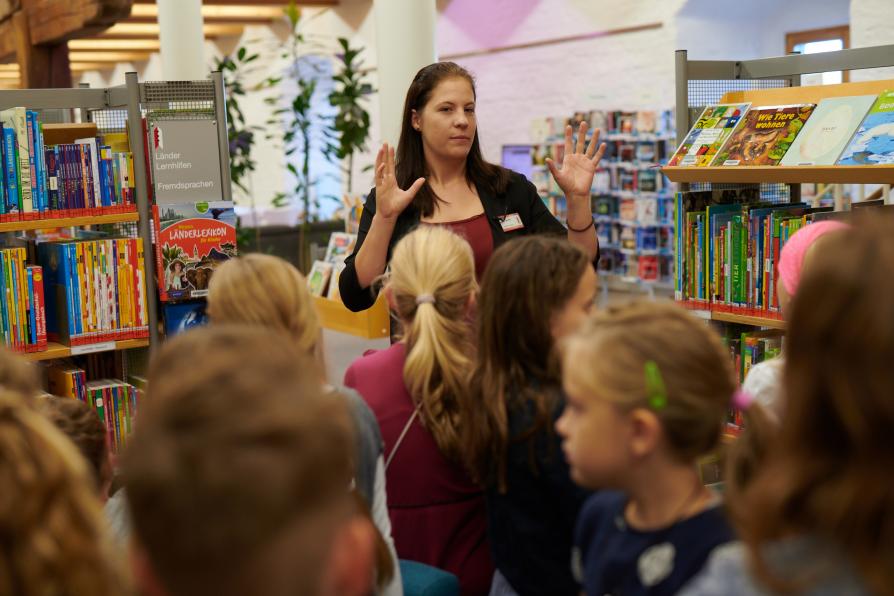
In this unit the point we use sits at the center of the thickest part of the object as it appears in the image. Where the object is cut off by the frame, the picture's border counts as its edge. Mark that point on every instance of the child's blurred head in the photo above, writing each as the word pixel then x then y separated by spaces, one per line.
pixel 431 287
pixel 796 255
pixel 55 537
pixel 238 474
pixel 264 290
pixel 83 427
pixel 828 472
pixel 643 380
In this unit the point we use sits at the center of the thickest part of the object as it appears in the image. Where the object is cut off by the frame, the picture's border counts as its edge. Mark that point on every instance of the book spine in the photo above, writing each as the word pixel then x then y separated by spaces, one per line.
pixel 39 306
pixel 21 127
pixel 42 164
pixel 10 166
pixel 34 211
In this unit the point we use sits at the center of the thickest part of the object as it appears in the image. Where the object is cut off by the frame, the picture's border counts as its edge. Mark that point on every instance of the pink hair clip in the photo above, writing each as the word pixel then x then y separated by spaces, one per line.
pixel 742 400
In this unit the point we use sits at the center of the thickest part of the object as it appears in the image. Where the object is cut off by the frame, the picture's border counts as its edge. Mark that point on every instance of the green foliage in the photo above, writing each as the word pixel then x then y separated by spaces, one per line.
pixel 241 136
pixel 349 130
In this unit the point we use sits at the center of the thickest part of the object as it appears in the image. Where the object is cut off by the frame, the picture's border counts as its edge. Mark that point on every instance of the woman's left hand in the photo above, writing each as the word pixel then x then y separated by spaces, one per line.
pixel 575 178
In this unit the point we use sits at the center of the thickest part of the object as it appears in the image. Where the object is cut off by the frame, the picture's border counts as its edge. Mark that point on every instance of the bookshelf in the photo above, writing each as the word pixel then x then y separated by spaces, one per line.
pixel 769 81
pixel 55 350
pixel 68 222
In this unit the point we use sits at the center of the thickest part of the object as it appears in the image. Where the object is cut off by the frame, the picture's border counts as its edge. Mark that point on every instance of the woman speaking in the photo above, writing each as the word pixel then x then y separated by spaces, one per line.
pixel 438 176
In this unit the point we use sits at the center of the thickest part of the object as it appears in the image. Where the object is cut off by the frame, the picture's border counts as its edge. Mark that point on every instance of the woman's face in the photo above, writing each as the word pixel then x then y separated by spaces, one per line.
pixel 572 315
pixel 447 122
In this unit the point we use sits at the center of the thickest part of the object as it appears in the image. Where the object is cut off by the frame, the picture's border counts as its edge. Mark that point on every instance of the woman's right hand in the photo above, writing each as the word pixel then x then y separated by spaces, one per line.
pixel 390 199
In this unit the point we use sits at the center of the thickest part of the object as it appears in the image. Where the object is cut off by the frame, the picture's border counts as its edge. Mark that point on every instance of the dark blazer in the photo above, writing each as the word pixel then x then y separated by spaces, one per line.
pixel 520 197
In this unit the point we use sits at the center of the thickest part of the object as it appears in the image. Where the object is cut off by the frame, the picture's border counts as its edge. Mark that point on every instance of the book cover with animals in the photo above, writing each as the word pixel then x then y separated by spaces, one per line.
pixel 764 135
pixel 710 131
pixel 828 131
pixel 192 240
pixel 873 144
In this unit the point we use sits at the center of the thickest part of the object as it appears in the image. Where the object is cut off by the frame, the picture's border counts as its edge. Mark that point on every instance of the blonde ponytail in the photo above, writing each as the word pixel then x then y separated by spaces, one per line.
pixel 431 282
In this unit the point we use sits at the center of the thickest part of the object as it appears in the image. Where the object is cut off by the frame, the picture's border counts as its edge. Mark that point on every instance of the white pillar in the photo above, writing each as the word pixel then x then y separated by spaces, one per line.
pixel 182 40
pixel 405 42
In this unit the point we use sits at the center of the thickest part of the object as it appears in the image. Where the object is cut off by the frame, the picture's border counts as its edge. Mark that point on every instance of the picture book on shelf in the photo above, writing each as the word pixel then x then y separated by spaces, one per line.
pixel 341 245
pixel 873 143
pixel 764 135
pixel 318 277
pixel 710 131
pixel 192 240
pixel 333 293
pixel 828 131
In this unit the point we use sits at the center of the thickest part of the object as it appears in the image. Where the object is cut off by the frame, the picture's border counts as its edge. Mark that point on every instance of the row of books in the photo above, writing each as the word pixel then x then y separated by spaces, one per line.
pixel 747 349
pixel 96 290
pixel 22 309
pixel 726 253
pixel 855 130
pixel 114 401
pixel 37 181
pixel 621 122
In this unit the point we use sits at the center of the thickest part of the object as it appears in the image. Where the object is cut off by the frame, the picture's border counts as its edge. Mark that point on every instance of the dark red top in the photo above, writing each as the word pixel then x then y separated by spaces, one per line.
pixel 476 230
pixel 437 514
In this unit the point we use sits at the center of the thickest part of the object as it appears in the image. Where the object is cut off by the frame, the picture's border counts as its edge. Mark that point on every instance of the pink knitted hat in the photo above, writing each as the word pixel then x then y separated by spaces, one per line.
pixel 791 259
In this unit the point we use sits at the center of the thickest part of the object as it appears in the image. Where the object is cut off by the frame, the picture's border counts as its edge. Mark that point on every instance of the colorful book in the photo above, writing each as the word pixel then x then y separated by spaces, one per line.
pixel 873 143
pixel 318 278
pixel 828 131
pixel 192 239
pixel 16 120
pixel 341 245
pixel 708 134
pixel 764 135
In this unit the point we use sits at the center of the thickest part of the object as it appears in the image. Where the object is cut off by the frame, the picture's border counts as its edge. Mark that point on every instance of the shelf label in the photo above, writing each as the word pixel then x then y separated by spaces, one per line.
pixel 185 161
pixel 105 346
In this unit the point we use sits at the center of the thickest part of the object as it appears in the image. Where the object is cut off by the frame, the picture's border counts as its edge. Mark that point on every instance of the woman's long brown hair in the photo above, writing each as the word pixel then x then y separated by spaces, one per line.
pixel 410 159
pixel 526 282
pixel 828 471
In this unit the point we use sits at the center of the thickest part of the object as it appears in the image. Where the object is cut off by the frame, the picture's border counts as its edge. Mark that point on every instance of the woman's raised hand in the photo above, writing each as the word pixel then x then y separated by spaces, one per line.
pixel 578 166
pixel 390 199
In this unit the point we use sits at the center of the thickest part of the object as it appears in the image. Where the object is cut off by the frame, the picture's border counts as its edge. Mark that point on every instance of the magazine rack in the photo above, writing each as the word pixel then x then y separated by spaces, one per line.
pixel 771 81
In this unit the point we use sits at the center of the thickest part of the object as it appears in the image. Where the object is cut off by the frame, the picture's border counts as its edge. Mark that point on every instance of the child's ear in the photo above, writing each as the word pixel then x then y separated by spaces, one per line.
pixel 645 432
pixel 352 559
pixel 389 298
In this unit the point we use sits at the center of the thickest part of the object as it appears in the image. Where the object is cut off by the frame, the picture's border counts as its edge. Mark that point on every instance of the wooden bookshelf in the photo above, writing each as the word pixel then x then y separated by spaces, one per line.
pixel 806 94
pixel 68 222
pixel 55 350
pixel 747 320
pixel 881 174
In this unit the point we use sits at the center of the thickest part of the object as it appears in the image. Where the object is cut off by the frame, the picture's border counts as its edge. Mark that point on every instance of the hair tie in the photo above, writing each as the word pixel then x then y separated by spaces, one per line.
pixel 425 299
pixel 742 400
pixel 655 388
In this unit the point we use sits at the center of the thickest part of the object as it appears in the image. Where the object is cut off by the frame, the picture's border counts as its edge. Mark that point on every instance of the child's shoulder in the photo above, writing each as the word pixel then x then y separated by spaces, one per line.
pixel 598 510
pixel 375 364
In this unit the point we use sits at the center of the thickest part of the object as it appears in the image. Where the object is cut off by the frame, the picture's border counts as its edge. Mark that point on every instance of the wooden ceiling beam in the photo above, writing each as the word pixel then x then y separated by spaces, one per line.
pixel 222 13
pixel 108 56
pixel 151 30
pixel 256 2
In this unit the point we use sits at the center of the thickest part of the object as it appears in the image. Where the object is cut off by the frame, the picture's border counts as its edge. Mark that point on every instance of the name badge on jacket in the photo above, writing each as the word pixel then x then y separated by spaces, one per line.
pixel 511 222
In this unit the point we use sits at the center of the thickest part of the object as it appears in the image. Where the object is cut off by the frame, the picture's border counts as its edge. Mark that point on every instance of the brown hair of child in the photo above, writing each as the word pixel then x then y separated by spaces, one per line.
pixel 610 354
pixel 17 374
pixel 827 474
pixel 238 473
pixel 525 283
pixel 437 265
pixel 83 427
pixel 54 536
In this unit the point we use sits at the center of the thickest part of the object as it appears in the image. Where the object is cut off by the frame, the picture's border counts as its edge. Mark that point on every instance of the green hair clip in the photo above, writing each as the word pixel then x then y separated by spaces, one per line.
pixel 655 386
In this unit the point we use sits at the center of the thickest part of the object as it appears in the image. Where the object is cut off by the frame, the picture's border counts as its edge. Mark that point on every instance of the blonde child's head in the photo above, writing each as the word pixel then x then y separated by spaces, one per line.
pixel 264 290
pixel 55 537
pixel 644 380
pixel 431 287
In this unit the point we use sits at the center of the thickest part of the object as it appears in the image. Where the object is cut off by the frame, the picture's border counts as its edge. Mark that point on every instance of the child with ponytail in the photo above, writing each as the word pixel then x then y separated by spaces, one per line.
pixel 648 388
pixel 414 388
